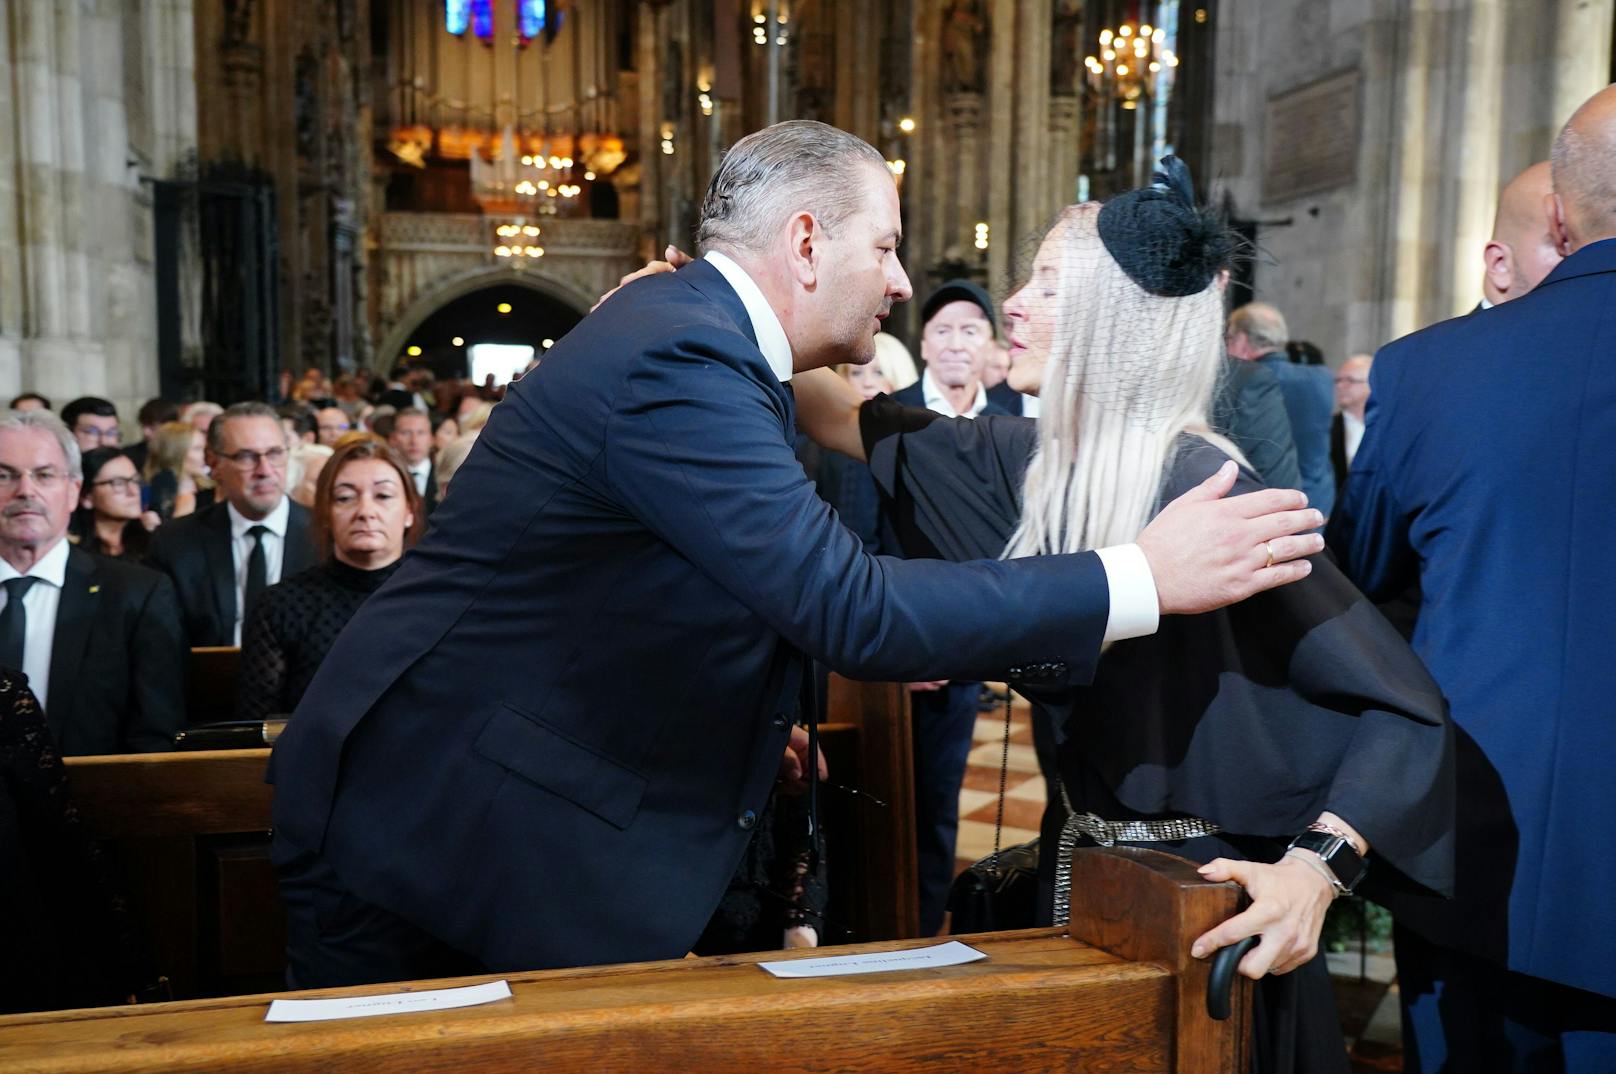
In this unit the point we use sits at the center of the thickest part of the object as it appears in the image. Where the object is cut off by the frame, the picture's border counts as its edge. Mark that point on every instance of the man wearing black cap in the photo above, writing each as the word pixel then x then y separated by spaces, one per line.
pixel 957 327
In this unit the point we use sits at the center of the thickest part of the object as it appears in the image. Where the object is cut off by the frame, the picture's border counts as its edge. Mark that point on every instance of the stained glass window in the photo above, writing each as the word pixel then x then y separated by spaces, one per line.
pixel 482 18
pixel 530 17
pixel 456 15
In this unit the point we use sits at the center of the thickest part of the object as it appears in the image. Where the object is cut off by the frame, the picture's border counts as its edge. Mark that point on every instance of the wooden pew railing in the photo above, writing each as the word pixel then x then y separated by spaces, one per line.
pixel 1114 992
pixel 191 831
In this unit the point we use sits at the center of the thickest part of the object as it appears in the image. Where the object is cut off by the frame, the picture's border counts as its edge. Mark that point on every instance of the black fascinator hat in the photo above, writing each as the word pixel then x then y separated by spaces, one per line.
pixel 1160 239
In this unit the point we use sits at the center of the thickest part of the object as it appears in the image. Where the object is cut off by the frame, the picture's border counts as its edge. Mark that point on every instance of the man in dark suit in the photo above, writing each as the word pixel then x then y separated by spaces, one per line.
pixel 222 558
pixel 1346 428
pixel 1257 334
pixel 1250 409
pixel 99 640
pixel 1491 480
pixel 547 739
pixel 411 437
pixel 956 332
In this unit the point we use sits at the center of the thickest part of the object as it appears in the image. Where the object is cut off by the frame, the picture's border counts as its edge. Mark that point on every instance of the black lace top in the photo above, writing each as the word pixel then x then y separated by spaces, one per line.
pixel 291 630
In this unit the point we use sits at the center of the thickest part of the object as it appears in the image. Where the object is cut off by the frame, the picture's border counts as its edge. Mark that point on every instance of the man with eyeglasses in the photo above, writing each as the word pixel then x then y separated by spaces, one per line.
pixel 93 422
pixel 221 559
pixel 331 424
pixel 99 639
pixel 1346 430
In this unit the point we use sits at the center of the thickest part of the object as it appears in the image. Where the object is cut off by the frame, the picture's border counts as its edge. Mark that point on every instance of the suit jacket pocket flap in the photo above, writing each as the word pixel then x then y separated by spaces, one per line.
pixel 542 756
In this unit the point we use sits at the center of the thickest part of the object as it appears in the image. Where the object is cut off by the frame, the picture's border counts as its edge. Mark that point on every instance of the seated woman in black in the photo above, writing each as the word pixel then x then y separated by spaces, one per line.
pixel 1223 736
pixel 366 513
pixel 110 520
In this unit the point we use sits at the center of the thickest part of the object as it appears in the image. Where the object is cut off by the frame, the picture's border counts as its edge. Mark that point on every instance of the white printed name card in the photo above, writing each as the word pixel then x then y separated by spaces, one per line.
pixel 952 953
pixel 437 999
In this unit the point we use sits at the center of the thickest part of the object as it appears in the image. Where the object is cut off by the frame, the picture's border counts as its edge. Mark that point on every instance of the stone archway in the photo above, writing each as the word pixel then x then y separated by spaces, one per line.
pixel 469 282
pixel 426 260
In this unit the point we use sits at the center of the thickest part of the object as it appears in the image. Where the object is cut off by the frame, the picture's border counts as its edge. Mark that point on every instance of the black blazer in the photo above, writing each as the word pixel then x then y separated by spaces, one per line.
pixel 195 552
pixel 1250 410
pixel 548 738
pixel 117 674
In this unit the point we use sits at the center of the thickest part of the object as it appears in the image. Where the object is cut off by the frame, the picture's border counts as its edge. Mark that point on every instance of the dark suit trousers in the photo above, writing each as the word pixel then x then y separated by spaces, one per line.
pixel 335 939
pixel 943 721
pixel 1464 1013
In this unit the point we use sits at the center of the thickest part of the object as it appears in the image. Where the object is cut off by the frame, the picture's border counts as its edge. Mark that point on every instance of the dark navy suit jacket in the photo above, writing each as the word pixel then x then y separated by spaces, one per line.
pixel 1487 473
pixel 546 738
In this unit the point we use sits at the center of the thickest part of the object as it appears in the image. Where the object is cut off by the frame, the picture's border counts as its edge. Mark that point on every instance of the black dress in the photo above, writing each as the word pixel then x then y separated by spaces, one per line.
pixel 1257 717
pixel 294 625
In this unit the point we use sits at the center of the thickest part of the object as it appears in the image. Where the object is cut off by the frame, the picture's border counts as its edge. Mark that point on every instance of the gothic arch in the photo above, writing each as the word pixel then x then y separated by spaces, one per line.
pixel 465 283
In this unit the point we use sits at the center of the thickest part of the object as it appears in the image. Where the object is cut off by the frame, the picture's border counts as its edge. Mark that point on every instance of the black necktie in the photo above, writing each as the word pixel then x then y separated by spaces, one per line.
pixel 14 622
pixel 257 572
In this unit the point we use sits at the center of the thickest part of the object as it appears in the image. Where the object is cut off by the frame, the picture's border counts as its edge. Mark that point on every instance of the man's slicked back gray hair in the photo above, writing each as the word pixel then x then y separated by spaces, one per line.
pixel 791 167
pixel 44 419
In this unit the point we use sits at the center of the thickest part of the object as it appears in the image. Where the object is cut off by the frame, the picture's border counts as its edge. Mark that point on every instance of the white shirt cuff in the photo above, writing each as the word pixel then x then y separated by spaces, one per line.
pixel 1135 606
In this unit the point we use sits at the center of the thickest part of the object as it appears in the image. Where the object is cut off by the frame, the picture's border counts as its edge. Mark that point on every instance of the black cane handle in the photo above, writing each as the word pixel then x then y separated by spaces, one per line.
pixel 1220 984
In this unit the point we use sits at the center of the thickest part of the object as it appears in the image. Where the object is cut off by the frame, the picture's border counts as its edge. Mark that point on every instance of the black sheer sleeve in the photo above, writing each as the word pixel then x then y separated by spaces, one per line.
pixel 951 486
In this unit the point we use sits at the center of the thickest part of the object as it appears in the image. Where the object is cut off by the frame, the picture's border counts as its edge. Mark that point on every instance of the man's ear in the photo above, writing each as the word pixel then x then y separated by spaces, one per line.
pixel 805 238
pixel 1496 256
pixel 1559 232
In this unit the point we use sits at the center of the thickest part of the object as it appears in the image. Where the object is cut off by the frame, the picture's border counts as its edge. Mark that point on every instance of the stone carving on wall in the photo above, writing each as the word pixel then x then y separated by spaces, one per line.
pixel 1065 46
pixel 965 46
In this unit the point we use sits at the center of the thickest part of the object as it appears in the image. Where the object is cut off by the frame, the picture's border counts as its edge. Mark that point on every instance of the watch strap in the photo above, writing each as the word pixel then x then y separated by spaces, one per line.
pixel 1346 864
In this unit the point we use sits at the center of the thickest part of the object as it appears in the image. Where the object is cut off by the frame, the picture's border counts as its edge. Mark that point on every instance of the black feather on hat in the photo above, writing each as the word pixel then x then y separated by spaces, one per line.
pixel 1160 239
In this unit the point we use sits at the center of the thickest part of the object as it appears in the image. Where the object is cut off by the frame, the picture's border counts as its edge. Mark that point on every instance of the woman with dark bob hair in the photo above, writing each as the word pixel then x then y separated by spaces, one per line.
pixel 366 513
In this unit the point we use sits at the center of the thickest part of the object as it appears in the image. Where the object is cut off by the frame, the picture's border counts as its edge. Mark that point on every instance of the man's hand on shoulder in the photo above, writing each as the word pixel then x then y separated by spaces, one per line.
pixel 673 259
pixel 1206 552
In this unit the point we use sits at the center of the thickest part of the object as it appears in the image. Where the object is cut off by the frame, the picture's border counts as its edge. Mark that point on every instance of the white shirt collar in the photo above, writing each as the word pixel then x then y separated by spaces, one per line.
pixel 1486 305
pixel 422 467
pixel 51 567
pixel 771 336
pixel 275 521
pixel 932 393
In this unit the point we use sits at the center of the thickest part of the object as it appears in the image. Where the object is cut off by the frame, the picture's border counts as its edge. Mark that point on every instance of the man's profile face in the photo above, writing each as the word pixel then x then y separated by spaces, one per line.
pixel 412 437
pixel 250 465
pixel 36 492
pixel 954 344
pixel 860 275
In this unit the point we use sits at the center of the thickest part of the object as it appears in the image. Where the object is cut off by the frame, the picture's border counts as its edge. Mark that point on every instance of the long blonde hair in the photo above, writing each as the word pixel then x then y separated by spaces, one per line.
pixel 1128 373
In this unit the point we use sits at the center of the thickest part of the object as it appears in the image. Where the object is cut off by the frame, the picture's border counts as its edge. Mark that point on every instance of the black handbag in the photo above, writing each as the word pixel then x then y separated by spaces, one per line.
pixel 999 892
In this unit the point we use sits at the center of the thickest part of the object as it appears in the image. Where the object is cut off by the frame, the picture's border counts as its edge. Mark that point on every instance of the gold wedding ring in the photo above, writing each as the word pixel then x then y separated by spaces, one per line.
pixel 1268 546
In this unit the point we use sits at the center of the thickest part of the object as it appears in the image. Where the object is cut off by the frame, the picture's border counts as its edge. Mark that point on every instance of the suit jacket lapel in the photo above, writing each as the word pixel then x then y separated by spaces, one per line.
pixel 298 554
pixel 75 614
pixel 221 567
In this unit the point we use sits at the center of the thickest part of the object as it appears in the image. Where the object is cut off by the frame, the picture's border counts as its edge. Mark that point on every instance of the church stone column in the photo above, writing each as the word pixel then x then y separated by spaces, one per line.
pixel 965 123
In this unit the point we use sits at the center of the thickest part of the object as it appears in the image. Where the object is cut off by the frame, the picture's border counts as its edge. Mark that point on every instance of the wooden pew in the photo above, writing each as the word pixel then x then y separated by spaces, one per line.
pixel 1115 992
pixel 191 830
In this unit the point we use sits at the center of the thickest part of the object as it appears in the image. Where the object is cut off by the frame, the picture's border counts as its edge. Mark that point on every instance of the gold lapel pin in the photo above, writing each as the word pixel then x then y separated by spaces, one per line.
pixel 95 589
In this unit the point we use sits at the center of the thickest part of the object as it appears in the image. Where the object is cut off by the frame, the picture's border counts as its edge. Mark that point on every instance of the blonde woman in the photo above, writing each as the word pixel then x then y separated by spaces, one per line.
pixel 177 471
pixel 1298 716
